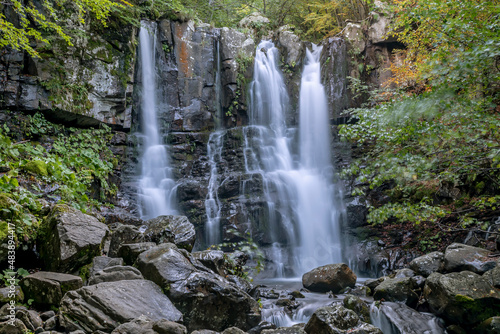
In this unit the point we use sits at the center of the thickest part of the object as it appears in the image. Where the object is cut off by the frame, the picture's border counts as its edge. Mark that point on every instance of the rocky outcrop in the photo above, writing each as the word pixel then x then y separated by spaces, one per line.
pixel 462 298
pixel 70 239
pixel 207 300
pixel 332 277
pixel 48 288
pixel 337 319
pixel 105 306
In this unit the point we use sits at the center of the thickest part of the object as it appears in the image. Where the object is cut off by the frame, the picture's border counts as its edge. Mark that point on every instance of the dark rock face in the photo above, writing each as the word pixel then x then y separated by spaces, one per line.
pixel 462 298
pixel 48 288
pixel 179 226
pixel 207 300
pixel 70 239
pixel 459 257
pixel 212 259
pixel 118 302
pixel 332 277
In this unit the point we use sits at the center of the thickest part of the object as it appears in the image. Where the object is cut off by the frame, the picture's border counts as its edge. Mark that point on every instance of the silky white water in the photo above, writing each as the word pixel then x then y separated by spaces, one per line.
pixel 298 189
pixel 156 193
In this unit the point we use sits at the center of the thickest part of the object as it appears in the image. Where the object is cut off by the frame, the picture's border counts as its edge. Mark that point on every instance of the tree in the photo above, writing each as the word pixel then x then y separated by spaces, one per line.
pixel 27 22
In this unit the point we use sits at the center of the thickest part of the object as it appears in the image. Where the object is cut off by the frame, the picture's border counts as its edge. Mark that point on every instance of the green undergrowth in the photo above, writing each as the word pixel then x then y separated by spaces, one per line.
pixel 53 164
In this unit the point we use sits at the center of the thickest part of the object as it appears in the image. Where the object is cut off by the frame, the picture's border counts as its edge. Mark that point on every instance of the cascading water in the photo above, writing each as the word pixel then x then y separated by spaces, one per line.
pixel 156 186
pixel 303 218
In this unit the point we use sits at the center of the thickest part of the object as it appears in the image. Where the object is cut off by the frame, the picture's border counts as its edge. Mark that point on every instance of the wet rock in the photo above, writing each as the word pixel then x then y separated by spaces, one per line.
pixel 130 252
pixel 428 263
pixel 207 300
pixel 333 277
pixel 399 318
pixel 462 298
pixel 489 326
pixel 264 325
pixel 124 234
pixel 285 330
pixel 233 330
pixel 48 288
pixel 373 283
pixel 17 328
pixel 460 257
pixel 47 315
pixel 105 306
pixel 5 292
pixel 211 259
pixel 145 325
pixel 397 290
pixel 402 273
pixel 160 229
pixel 297 294
pixel 101 262
pixel 362 291
pixel 331 319
pixel 263 292
pixel 493 276
pixel 240 282
pixel 357 305
pixel 70 239
pixel 30 318
pixel 51 323
pixel 115 273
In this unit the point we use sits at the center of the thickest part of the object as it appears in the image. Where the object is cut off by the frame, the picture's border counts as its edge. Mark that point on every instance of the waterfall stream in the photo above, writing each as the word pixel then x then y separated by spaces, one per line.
pixel 156 186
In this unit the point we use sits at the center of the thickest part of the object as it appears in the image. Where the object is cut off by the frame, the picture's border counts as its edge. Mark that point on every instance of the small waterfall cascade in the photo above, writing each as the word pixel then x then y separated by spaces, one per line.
pixel 298 189
pixel 156 193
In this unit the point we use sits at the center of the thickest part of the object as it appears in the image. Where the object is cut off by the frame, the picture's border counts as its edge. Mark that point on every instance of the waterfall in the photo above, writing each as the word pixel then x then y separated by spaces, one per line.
pixel 298 189
pixel 156 195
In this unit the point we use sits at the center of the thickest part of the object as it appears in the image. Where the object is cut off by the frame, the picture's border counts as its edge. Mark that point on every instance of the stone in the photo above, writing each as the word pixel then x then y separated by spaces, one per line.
pixel 51 323
pixel 379 30
pixel 101 262
pixel 397 290
pixel 70 239
pixel 332 277
pixel 164 326
pixel 489 326
pixel 30 318
pixel 47 315
pixel 294 47
pixel 285 330
pixel 460 257
pixel 207 300
pixel 353 32
pixel 183 231
pixel 254 20
pixel 462 298
pixel 5 292
pixel 48 288
pixel 264 325
pixel 331 319
pixel 105 306
pixel 357 305
pixel 493 276
pixel 402 273
pixel 124 234
pixel 212 259
pixel 428 263
pixel 18 327
pixel 399 318
pixel 130 252
pixel 115 273
pixel 233 330
pixel 145 325
pixel 240 282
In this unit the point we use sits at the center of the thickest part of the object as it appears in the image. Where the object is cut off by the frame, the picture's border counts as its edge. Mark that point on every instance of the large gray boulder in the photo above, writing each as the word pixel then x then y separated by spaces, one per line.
pixel 145 325
pixel 428 263
pixel 332 277
pixel 179 226
pixel 105 306
pixel 293 45
pixel 207 300
pixel 125 234
pixel 70 239
pixel 115 273
pixel 212 259
pixel 48 288
pixel 393 318
pixel 397 290
pixel 460 257
pixel 337 319
pixel 130 252
pixel 463 298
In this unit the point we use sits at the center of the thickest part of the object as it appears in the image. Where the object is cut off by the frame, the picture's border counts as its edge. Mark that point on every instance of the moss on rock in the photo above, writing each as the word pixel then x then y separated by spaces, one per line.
pixel 36 167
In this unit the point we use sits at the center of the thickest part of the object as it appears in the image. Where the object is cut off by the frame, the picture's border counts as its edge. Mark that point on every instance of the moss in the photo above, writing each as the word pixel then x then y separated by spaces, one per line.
pixel 36 167
pixel 7 203
pixel 4 229
pixel 85 272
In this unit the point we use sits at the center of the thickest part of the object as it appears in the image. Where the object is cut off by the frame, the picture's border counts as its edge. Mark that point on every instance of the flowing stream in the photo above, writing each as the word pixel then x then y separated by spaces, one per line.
pixel 156 186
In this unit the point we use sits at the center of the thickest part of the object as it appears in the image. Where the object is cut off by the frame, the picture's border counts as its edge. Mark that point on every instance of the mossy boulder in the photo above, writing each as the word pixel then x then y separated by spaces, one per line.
pixel 7 203
pixel 463 298
pixel 332 277
pixel 397 290
pixel 36 167
pixel 70 239
pixel 48 288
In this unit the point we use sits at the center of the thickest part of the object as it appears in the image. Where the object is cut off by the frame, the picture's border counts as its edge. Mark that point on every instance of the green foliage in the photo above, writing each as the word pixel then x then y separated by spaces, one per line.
pixel 244 63
pixel 9 276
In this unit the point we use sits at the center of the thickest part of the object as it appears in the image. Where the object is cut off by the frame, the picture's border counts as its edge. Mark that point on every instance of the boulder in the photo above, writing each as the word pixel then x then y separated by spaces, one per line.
pixel 5 292
pixel 357 305
pixel 332 277
pixel 115 273
pixel 293 45
pixel 397 290
pixel 130 252
pixel 233 330
pixel 212 259
pixel 70 239
pixel 182 230
pixel 48 288
pixel 18 327
pixel 428 263
pixel 285 330
pixel 337 319
pixel 124 234
pixel 489 326
pixel 493 276
pixel 353 32
pixel 394 318
pixel 460 257
pixel 254 20
pixel 379 30
pixel 207 300
pixel 101 262
pixel 145 325
pixel 105 306
pixel 462 298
